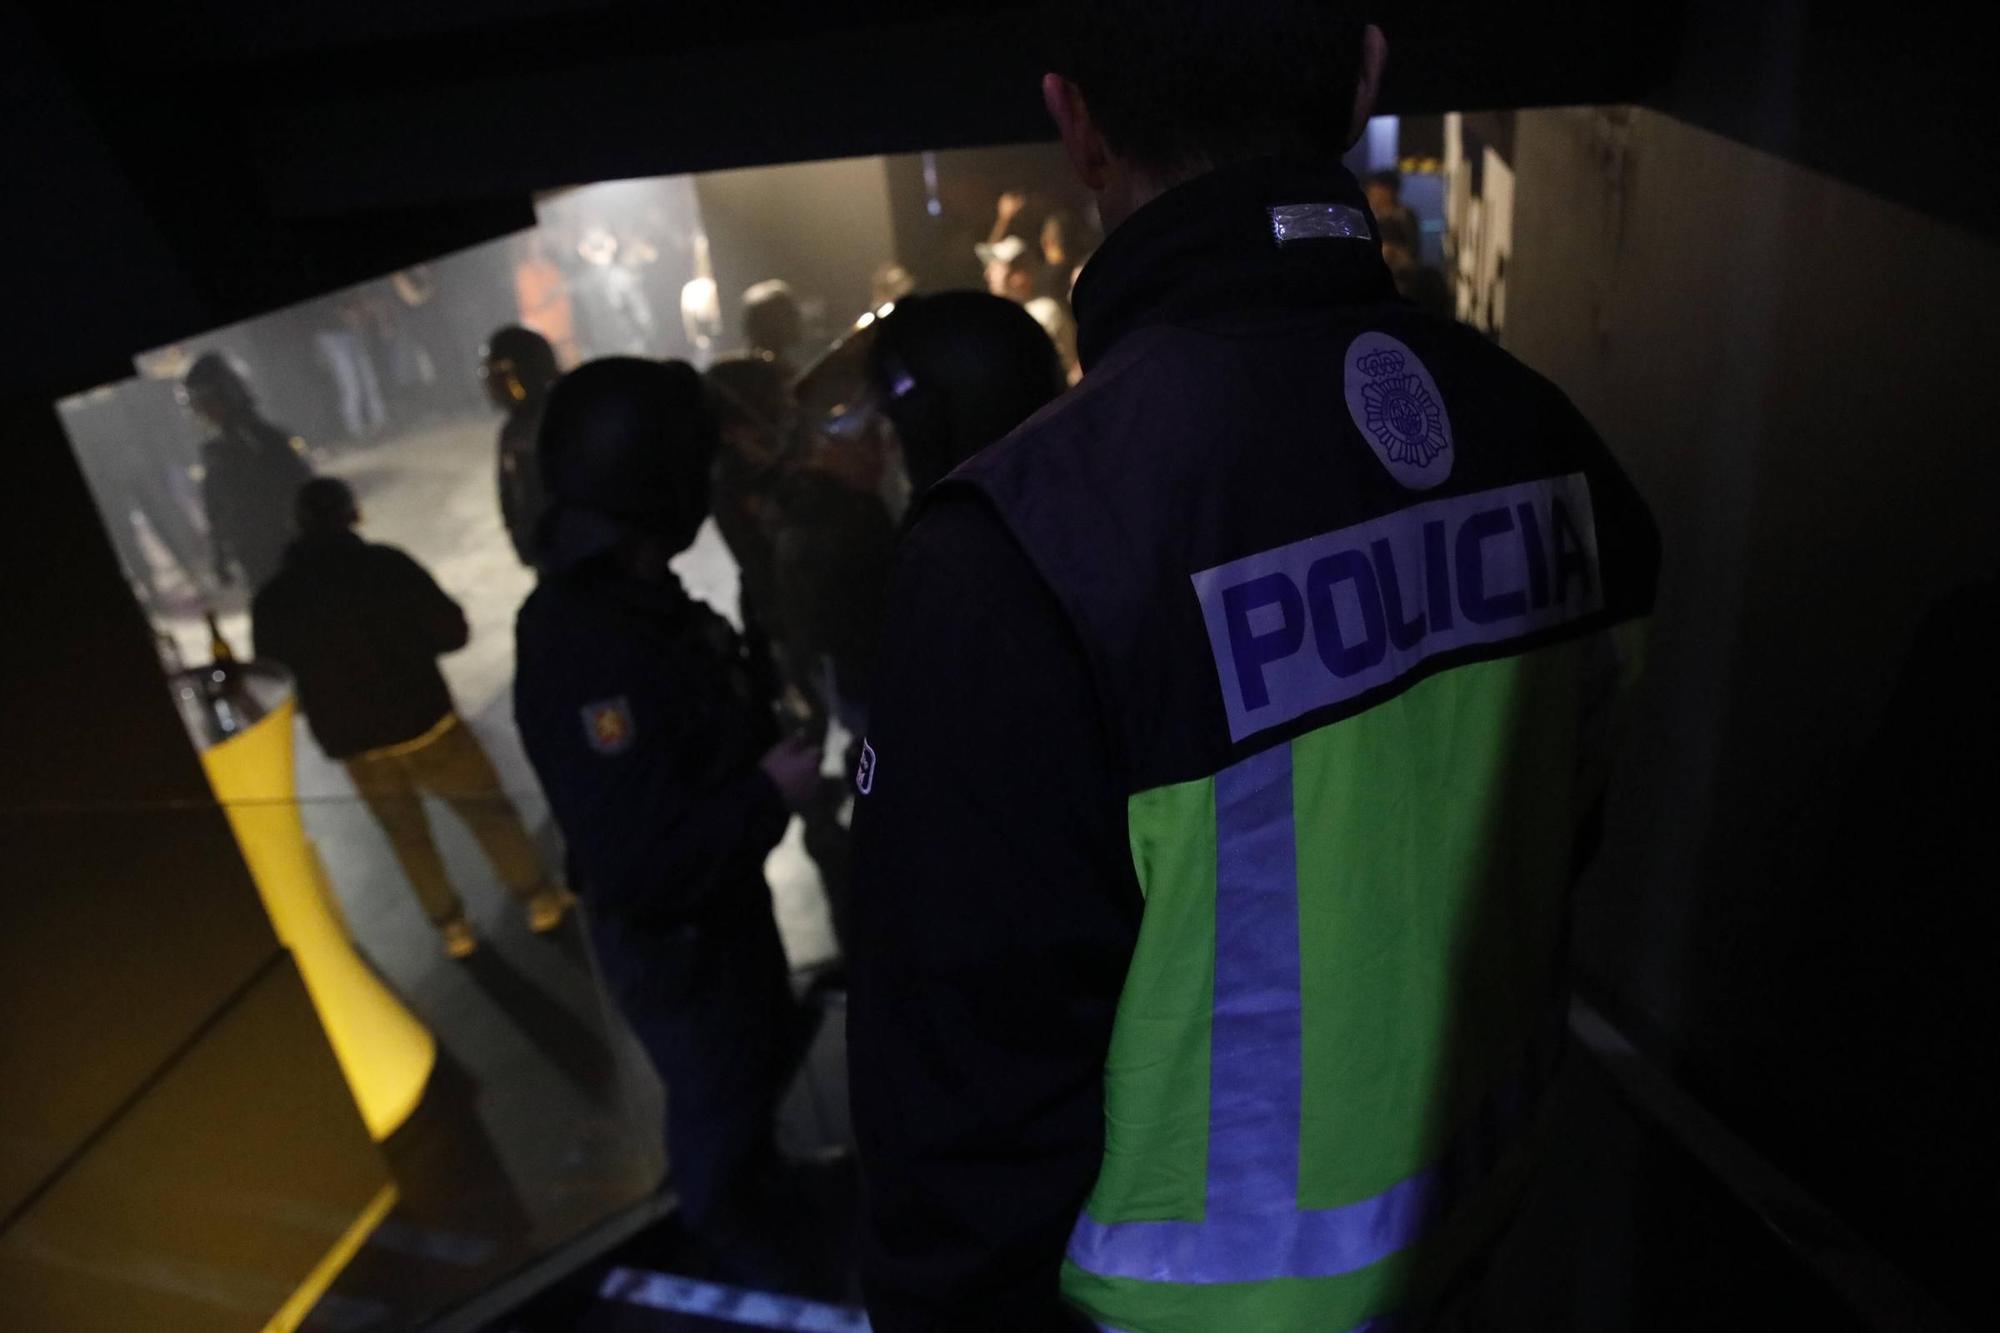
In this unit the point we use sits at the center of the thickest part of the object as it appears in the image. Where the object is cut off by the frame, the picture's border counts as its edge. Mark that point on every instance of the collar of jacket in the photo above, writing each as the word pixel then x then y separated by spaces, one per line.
pixel 1211 245
pixel 604 576
pixel 311 545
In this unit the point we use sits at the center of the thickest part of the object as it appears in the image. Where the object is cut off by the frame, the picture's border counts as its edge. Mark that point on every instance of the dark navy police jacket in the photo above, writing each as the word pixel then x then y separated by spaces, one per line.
pixel 1047 654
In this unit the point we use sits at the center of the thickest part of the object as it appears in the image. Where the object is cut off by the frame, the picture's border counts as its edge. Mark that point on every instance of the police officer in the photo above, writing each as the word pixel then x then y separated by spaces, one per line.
pixel 251 470
pixel 667 775
pixel 888 411
pixel 1234 726
pixel 518 367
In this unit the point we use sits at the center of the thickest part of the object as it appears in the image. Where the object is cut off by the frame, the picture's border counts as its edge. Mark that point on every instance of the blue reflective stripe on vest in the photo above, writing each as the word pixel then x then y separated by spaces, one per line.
pixel 1254 1230
pixel 1255 1064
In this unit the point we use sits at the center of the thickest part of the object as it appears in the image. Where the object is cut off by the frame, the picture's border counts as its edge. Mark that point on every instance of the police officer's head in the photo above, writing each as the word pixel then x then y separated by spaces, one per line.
pixel 948 373
pixel 325 507
pixel 217 391
pixel 1148 93
pixel 956 371
pixel 517 365
pixel 626 445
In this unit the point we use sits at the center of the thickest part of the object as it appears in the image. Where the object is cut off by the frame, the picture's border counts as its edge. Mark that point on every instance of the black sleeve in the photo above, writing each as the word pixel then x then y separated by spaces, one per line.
pixel 662 827
pixel 996 912
pixel 437 618
pixel 664 844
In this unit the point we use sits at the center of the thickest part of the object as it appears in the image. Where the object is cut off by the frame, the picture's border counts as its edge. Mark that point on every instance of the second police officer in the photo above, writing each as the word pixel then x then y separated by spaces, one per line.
pixel 665 769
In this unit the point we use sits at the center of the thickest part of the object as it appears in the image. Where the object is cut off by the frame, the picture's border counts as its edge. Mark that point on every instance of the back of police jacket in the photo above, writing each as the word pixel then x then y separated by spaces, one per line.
pixel 643 721
pixel 1220 988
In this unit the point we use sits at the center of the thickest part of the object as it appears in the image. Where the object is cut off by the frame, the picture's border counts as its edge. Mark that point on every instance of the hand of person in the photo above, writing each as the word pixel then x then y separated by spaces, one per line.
pixel 793 766
pixel 1011 204
pixel 857 464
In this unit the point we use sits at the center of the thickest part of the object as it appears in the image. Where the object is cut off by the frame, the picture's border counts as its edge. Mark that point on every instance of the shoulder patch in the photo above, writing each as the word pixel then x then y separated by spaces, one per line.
pixel 864 772
pixel 1398 410
pixel 607 725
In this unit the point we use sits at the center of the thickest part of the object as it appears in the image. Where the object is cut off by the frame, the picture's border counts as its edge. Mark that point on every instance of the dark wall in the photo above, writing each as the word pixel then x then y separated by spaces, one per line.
pixel 1796 373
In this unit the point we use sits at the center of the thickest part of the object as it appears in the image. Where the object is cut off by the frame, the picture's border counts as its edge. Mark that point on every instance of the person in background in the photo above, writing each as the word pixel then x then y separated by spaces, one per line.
pixel 1235 729
pixel 1385 200
pixel 617 318
pixel 754 414
pixel 752 483
pixel 348 351
pixel 890 283
pixel 665 768
pixel 410 310
pixel 518 368
pixel 251 470
pixel 908 396
pixel 1014 270
pixel 361 626
pixel 836 534
pixel 773 324
pixel 1415 281
pixel 1007 210
pixel 1066 242
pixel 542 294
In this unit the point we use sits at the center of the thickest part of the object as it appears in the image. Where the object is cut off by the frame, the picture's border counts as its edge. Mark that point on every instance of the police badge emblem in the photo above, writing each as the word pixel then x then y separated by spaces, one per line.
pixel 1397 408
pixel 607 725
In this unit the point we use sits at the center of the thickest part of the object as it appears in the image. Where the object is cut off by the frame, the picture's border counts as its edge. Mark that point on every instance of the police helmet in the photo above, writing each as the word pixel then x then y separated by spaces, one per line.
pixel 625 446
pixel 956 371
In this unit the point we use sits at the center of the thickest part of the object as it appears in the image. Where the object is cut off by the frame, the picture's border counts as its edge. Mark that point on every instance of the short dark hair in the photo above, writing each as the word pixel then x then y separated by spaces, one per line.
pixel 1392 181
pixel 325 504
pixel 1179 86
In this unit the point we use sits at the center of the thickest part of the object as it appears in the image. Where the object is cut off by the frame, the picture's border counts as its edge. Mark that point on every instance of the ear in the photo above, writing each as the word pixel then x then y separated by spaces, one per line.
pixel 1080 137
pixel 1374 59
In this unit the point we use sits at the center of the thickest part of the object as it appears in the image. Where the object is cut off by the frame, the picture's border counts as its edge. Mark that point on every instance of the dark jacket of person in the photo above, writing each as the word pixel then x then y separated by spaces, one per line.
pixel 360 626
pixel 1046 657
pixel 522 497
pixel 745 496
pixel 645 723
pixel 834 550
pixel 251 473
pixel 638 709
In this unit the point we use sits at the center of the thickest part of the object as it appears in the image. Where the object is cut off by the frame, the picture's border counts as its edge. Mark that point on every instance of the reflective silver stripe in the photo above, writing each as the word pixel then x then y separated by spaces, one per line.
pixel 1318 221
